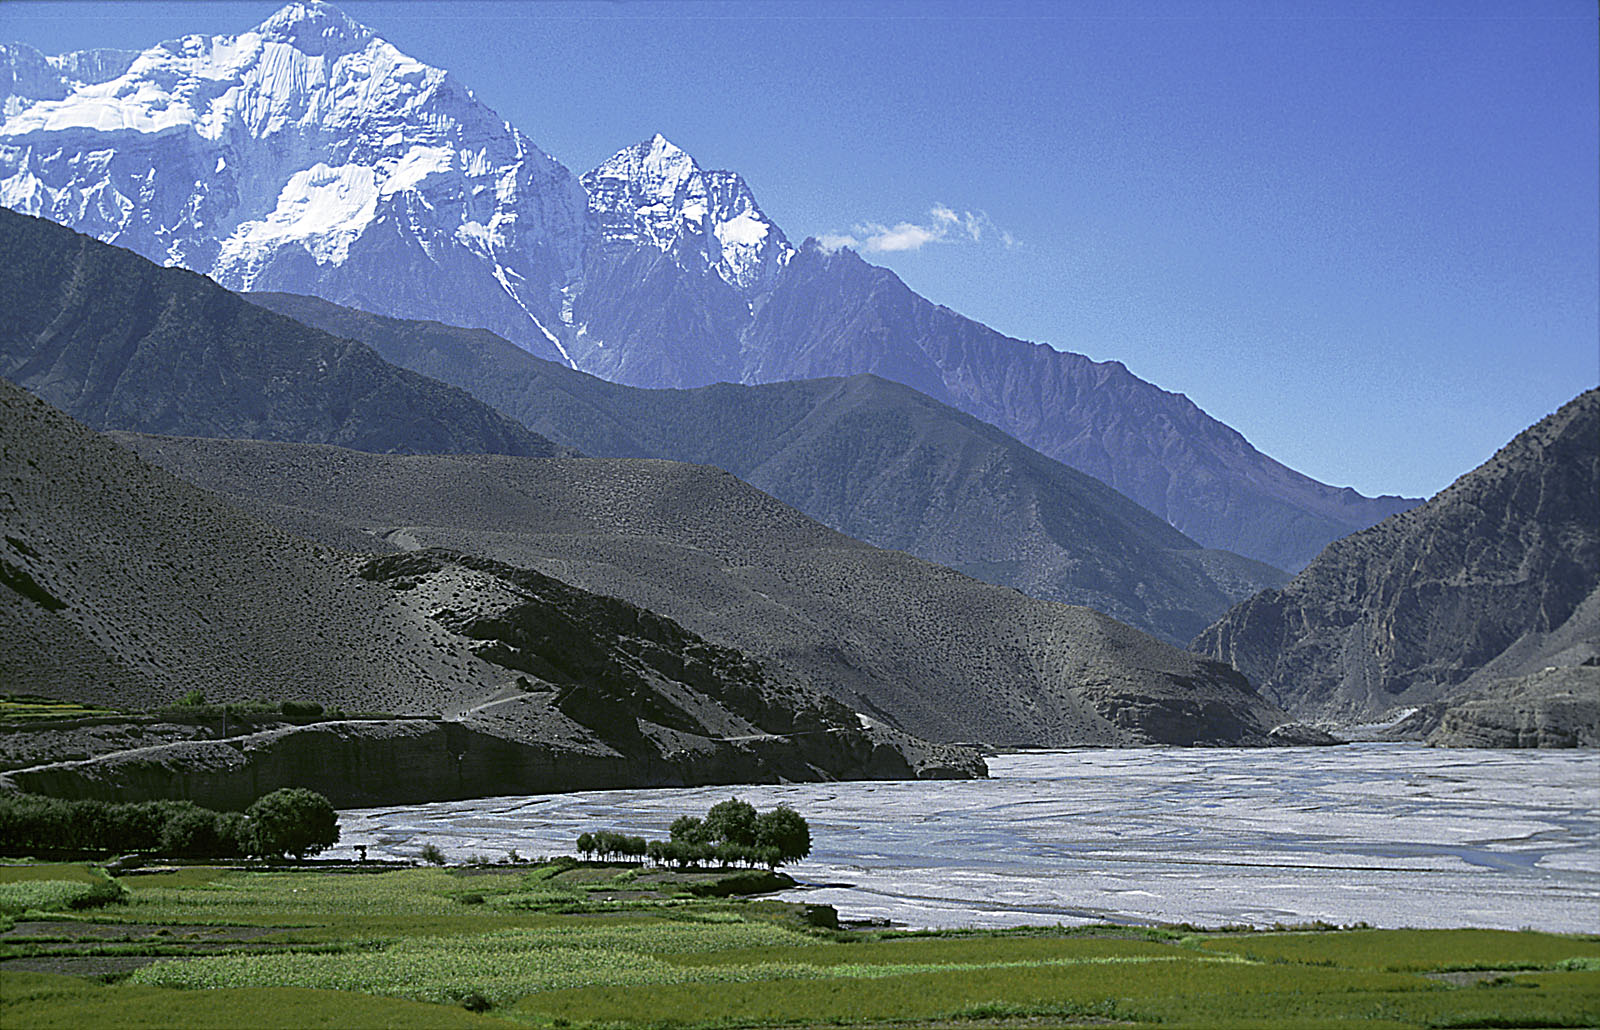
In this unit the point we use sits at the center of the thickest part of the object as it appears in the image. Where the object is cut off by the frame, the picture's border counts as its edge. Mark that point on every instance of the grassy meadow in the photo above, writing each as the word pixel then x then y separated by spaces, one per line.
pixel 565 945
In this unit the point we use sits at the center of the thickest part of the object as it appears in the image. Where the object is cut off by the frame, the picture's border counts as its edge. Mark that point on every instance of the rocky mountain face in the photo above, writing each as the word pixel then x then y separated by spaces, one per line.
pixel 906 644
pixel 1495 577
pixel 123 586
pixel 119 342
pixel 872 459
pixel 1547 709
pixel 307 155
pixel 833 314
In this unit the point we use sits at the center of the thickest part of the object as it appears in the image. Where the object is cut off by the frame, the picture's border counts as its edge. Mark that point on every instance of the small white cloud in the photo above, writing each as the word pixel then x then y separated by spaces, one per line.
pixel 945 225
pixel 905 236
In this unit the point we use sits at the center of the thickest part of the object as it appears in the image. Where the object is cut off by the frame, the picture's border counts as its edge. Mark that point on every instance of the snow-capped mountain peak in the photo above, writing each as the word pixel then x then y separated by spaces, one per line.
pixel 306 155
pixel 315 28
pixel 655 193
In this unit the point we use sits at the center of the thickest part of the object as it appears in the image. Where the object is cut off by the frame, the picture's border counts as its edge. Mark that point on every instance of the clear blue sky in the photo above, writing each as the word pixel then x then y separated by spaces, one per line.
pixel 1363 234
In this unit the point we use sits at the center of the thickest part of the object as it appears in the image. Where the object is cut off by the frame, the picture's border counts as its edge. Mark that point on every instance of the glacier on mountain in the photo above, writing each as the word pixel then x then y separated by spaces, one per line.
pixel 307 155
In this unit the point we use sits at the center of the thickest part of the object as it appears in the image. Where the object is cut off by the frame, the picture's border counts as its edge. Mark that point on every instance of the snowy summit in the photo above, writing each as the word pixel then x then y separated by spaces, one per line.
pixel 655 193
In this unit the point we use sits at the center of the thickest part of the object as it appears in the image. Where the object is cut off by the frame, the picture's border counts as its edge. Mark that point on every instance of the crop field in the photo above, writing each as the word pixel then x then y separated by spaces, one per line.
pixel 588 946
pixel 21 708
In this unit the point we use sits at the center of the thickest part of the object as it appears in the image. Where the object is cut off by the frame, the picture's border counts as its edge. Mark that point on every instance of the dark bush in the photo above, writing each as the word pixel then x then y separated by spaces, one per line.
pixel 100 894
pixel 293 821
pixel 302 709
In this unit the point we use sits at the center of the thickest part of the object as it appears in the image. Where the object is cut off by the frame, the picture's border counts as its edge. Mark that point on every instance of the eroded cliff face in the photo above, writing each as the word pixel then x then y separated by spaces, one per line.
pixel 1553 708
pixel 1497 576
pixel 362 763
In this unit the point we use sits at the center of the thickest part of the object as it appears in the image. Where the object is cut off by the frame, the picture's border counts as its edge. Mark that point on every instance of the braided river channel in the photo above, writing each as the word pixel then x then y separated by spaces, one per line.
pixel 1385 834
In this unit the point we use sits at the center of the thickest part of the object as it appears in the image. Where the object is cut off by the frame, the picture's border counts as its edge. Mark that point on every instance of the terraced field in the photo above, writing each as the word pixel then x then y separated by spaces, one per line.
pixel 607 946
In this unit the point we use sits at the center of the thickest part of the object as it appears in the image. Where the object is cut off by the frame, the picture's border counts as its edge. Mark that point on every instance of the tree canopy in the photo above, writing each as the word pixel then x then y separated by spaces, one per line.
pixel 295 820
pixel 732 833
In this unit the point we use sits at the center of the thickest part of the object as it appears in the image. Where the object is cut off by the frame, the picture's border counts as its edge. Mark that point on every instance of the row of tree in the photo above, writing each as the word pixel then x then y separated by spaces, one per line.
pixel 292 821
pixel 732 833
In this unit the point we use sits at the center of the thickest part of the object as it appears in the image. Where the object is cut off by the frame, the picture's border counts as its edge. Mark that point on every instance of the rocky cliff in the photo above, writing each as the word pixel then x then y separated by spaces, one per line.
pixel 1496 576
pixel 1546 709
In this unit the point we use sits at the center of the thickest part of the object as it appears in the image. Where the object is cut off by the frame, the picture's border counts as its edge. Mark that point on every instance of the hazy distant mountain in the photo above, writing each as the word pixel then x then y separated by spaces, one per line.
pixel 870 458
pixel 119 342
pixel 835 314
pixel 1495 577
pixel 122 585
pixel 905 642
pixel 307 155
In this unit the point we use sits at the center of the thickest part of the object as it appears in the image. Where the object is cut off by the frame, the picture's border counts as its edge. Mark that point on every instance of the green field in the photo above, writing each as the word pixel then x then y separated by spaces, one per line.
pixel 23 708
pixel 602 946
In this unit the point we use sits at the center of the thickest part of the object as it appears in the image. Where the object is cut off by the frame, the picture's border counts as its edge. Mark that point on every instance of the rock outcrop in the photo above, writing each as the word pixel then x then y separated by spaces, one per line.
pixel 366 763
pixel 1497 576
pixel 1553 708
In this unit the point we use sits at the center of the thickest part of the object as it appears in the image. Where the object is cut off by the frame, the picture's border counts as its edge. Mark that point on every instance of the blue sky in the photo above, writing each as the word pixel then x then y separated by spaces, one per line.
pixel 1366 235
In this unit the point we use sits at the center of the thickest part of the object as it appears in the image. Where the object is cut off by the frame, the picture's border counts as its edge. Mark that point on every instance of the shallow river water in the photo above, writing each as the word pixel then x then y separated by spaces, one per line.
pixel 1386 834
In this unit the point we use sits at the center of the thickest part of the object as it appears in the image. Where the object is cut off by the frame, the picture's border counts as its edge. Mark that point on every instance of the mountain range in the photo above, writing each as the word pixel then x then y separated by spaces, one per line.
pixel 117 341
pixel 906 643
pixel 308 155
pixel 926 650
pixel 123 586
pixel 865 456
pixel 628 606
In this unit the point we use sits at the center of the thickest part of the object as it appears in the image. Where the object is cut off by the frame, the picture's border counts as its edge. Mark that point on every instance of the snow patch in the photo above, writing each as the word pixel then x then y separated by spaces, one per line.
pixel 322 208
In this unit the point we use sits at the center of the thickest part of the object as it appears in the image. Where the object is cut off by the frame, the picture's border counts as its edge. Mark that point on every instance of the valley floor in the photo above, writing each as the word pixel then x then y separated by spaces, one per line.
pixel 562 944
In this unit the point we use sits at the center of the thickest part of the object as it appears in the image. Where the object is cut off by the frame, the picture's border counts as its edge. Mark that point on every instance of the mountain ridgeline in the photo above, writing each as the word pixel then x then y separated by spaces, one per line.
pixel 329 163
pixel 904 642
pixel 914 646
pixel 118 342
pixel 1496 577
pixel 865 456
pixel 123 586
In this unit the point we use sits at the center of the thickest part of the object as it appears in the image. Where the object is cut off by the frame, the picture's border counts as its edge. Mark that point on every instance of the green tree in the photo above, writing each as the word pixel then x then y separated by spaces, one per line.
pixel 293 820
pixel 732 822
pixel 688 829
pixel 192 832
pixel 786 833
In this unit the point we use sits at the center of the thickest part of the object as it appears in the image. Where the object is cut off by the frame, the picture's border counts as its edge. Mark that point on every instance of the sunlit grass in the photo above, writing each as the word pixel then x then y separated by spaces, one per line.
pixel 42 1001
pixel 1413 949
pixel 79 872
pixel 537 946
pixel 27 707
